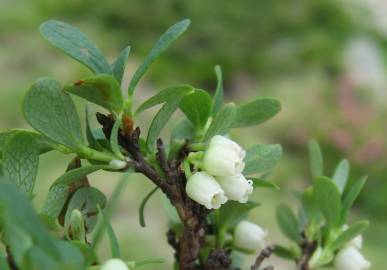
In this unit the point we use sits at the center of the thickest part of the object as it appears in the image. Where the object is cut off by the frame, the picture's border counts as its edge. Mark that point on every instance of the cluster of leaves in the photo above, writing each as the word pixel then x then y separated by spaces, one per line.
pixel 320 227
pixel 74 208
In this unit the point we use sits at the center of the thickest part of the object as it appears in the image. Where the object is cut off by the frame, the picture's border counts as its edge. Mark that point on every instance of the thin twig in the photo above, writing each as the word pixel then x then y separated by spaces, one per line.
pixel 308 248
pixel 265 253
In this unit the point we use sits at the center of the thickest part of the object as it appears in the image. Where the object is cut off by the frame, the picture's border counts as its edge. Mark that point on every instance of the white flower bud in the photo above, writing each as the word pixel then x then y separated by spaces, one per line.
pixel 236 188
pixel 356 242
pixel 224 157
pixel 350 258
pixel 203 188
pixel 114 264
pixel 249 236
pixel 117 164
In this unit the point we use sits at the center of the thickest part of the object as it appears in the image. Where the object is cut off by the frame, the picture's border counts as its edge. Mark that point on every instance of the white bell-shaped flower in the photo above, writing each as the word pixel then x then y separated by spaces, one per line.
pixel 350 258
pixel 356 242
pixel 203 189
pixel 236 187
pixel 114 264
pixel 224 157
pixel 249 236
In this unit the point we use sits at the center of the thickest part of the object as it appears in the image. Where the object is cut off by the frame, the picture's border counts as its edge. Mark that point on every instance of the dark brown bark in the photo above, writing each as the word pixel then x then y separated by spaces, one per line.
pixel 73 187
pixel 307 248
pixel 10 260
pixel 219 259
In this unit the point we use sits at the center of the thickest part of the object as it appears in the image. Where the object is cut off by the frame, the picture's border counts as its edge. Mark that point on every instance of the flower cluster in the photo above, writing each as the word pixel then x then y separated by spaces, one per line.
pixel 350 257
pixel 221 177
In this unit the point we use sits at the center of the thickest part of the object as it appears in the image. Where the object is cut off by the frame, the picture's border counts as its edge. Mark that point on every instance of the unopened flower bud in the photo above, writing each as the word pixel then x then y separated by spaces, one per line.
pixel 114 264
pixel 203 188
pixel 249 236
pixel 75 226
pixel 350 258
pixel 236 187
pixel 117 164
pixel 224 157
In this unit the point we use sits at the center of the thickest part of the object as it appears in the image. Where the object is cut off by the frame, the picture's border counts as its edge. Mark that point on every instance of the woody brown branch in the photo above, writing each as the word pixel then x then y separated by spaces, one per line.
pixel 307 248
pixel 192 215
pixel 265 254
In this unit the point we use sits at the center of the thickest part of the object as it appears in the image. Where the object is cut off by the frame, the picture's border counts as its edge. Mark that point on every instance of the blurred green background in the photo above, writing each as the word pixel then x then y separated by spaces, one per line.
pixel 323 59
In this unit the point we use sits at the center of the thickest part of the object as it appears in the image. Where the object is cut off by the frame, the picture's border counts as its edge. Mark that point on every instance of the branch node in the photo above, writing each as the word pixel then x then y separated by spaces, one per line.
pixel 265 253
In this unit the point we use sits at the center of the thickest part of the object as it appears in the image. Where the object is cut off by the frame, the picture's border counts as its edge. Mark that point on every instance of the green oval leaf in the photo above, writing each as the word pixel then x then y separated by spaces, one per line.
pixel 256 112
pixel 19 211
pixel 70 257
pixel 59 194
pixel 92 138
pixel 232 212
pixel 261 158
pixel 315 158
pixel 285 252
pixel 114 139
pixel 44 144
pixel 260 183
pixel 21 161
pixel 340 177
pixel 197 107
pixel 161 45
pixel 73 175
pixel 103 90
pixel 219 93
pixel 349 234
pixel 311 207
pixel 87 200
pixel 222 121
pixel 350 197
pixel 119 65
pixel 158 123
pixel 328 198
pixel 165 95
pixel 3 262
pixel 55 201
pixel 288 223
pixel 52 112
pixel 182 132
pixel 75 44
pixel 17 240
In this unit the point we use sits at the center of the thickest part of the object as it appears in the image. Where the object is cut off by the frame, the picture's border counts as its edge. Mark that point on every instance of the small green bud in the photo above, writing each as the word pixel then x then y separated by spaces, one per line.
pixel 75 227
pixel 118 164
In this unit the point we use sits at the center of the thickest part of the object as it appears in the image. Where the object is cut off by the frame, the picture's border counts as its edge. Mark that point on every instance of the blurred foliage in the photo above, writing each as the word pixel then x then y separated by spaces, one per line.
pixel 260 38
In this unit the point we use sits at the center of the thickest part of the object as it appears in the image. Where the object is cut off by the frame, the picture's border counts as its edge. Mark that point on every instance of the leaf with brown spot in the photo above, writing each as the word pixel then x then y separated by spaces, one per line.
pixel 102 89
